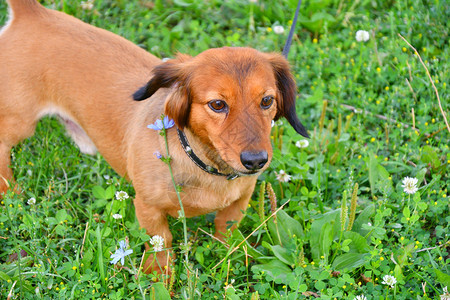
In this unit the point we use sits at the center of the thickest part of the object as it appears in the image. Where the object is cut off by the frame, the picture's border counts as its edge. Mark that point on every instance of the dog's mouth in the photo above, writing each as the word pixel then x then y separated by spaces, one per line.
pixel 250 173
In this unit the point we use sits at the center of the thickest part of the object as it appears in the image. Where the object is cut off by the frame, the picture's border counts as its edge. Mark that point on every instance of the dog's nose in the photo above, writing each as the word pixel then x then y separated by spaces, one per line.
pixel 254 160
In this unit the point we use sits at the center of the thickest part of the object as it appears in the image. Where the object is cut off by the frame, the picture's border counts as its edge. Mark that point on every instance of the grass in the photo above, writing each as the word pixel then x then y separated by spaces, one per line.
pixel 346 221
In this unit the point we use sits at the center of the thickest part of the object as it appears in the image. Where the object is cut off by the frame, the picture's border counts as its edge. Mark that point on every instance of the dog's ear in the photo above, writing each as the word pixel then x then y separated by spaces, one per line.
pixel 288 92
pixel 173 73
pixel 164 75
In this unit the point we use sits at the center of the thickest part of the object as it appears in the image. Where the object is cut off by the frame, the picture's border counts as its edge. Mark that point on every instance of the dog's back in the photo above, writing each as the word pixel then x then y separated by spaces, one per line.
pixel 49 61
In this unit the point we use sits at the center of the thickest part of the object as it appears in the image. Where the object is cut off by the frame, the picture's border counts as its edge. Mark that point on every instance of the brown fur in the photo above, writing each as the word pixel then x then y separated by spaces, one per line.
pixel 52 63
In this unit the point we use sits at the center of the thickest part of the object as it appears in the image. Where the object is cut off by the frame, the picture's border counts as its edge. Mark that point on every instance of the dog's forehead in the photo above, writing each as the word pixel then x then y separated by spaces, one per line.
pixel 225 68
pixel 238 62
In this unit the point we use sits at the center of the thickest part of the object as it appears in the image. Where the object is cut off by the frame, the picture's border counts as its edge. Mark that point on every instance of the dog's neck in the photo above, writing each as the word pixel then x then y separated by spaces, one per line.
pixel 204 157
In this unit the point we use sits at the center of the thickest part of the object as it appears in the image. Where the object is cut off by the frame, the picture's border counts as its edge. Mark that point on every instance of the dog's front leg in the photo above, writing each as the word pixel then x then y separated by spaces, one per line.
pixel 232 213
pixel 154 220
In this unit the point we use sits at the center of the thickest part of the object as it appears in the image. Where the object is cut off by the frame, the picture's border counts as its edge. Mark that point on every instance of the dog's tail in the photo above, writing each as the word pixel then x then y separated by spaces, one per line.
pixel 20 8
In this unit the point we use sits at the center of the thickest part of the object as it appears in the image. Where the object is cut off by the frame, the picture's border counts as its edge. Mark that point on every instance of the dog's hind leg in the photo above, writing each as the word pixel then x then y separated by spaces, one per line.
pixel 13 129
pixel 5 171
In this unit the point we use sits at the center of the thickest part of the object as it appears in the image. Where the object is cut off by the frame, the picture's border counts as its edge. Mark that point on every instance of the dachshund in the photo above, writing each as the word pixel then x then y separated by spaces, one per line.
pixel 218 108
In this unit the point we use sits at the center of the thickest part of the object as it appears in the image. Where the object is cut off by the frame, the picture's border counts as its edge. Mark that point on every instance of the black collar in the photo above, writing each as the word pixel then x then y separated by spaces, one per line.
pixel 209 169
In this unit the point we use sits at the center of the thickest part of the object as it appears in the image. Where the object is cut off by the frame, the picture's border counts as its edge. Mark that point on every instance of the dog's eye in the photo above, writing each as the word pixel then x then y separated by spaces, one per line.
pixel 218 106
pixel 266 102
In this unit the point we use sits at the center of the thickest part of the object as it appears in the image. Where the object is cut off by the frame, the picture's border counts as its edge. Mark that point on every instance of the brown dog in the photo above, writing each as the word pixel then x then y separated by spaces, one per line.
pixel 222 102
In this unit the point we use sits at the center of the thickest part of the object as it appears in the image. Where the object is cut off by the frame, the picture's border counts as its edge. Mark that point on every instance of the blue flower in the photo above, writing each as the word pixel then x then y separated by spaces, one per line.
pixel 161 124
pixel 158 155
pixel 121 253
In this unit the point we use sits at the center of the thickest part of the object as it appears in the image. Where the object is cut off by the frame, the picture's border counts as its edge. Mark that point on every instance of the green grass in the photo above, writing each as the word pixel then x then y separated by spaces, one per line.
pixel 69 233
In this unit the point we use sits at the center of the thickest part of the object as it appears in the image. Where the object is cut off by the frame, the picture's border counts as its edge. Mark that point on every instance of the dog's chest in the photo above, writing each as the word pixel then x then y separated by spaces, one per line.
pixel 204 196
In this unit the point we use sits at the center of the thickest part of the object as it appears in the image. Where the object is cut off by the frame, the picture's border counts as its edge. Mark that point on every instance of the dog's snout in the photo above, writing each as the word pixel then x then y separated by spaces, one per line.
pixel 254 160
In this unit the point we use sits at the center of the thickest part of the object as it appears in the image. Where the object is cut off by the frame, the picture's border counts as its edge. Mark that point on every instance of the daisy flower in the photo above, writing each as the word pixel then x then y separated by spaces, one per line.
pixel 362 36
pixel 409 185
pixel 278 29
pixel 121 195
pixel 157 242
pixel 282 176
pixel 389 280
pixel 302 144
pixel 117 216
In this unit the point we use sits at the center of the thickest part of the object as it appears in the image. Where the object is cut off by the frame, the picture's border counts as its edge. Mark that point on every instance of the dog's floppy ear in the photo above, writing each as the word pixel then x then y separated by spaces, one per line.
pixel 173 73
pixel 288 92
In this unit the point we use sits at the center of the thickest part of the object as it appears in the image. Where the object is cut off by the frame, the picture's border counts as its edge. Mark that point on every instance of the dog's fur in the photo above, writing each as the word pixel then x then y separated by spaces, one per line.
pixel 54 64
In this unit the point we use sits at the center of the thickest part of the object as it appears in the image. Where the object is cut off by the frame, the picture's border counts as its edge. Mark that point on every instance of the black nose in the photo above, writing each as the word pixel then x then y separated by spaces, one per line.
pixel 254 160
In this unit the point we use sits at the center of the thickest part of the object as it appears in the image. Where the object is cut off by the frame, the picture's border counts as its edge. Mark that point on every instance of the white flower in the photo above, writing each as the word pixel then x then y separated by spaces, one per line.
pixel 389 280
pixel 362 36
pixel 157 242
pixel 31 201
pixel 445 295
pixel 121 195
pixel 302 144
pixel 117 216
pixel 409 185
pixel 360 297
pixel 87 5
pixel 278 29
pixel 282 176
pixel 253 1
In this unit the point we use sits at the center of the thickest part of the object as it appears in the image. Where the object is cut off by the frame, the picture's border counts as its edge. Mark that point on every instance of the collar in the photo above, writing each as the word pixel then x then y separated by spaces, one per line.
pixel 208 169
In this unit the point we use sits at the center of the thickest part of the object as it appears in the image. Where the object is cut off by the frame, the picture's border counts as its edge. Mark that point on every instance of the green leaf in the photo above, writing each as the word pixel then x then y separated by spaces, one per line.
pixel 326 239
pixel 199 257
pixel 406 212
pixel 159 291
pixel 99 192
pixel 317 236
pixel 283 232
pixel 284 255
pixel 378 177
pixel 61 215
pixel 443 278
pixel 275 268
pixel 429 156
pixel 4 276
pixel 421 174
pixel 372 172
pixel 109 192
pixel 100 264
pixel 359 243
pixel 363 218
pixel 349 261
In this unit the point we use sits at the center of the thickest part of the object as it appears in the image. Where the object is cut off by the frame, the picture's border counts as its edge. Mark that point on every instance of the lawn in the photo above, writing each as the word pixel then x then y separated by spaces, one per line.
pixel 363 205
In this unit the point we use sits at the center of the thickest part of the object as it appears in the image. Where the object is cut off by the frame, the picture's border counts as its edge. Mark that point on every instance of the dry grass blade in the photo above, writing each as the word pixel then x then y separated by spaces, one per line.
pixel 431 80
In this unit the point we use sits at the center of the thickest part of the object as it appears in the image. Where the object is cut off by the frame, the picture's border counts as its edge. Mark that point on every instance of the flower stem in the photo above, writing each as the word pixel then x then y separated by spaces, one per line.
pixel 183 216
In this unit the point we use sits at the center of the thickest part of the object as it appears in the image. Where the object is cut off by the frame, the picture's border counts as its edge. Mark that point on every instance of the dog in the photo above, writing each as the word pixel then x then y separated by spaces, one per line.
pixel 222 103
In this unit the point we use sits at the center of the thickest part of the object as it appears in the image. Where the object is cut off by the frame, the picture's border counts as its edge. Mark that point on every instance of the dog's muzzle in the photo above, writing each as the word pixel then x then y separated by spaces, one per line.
pixel 254 160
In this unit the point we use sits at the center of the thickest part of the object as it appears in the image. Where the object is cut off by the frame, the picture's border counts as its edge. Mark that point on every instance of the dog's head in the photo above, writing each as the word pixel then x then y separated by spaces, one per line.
pixel 228 98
